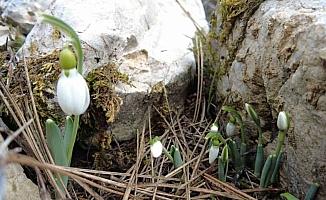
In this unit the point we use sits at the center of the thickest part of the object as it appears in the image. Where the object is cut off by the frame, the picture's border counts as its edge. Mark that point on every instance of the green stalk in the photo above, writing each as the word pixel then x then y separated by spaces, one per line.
pixel 281 138
pixel 260 153
pixel 235 155
pixel 63 26
pixel 259 160
pixel 166 152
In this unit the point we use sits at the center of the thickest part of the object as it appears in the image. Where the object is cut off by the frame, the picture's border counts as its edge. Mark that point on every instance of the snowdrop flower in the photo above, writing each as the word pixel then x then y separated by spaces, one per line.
pixel 213 153
pixel 214 128
pixel 72 90
pixel 156 149
pixel 283 121
pixel 230 129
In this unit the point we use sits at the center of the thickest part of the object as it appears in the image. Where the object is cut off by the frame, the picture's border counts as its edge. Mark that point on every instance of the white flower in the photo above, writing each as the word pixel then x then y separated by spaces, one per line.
pixel 213 153
pixel 72 92
pixel 214 128
pixel 156 149
pixel 230 129
pixel 282 121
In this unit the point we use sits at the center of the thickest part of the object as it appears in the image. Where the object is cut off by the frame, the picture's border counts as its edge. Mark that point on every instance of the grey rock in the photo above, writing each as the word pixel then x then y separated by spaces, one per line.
pixel 280 65
pixel 150 39
pixel 21 12
pixel 17 185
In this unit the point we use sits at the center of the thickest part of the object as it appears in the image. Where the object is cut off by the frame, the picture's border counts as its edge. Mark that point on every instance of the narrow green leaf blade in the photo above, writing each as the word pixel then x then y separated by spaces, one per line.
pixel 55 142
pixel 288 196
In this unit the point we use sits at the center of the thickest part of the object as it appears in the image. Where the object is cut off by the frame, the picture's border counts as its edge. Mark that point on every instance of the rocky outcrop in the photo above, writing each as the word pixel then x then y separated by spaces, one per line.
pixel 278 65
pixel 17 185
pixel 149 40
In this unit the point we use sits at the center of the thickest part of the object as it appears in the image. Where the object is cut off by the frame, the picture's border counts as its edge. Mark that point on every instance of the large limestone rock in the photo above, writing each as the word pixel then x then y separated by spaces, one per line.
pixel 279 66
pixel 18 186
pixel 151 40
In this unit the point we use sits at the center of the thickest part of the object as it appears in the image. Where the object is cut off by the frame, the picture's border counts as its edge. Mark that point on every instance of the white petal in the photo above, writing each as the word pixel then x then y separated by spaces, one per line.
pixel 282 121
pixel 230 129
pixel 214 128
pixel 156 149
pixel 64 95
pixel 73 93
pixel 213 153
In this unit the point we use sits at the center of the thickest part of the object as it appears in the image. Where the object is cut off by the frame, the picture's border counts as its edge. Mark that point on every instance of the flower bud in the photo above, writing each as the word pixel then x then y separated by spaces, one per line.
pixel 252 113
pixel 213 153
pixel 72 92
pixel 214 128
pixel 156 149
pixel 225 154
pixel 230 129
pixel 283 121
pixel 67 59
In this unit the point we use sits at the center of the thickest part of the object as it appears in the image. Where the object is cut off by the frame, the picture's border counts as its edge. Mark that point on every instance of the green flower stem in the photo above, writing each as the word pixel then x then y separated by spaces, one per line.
pixel 260 135
pixel 281 138
pixel 259 160
pixel 73 138
pixel 260 153
pixel 166 152
pixel 63 26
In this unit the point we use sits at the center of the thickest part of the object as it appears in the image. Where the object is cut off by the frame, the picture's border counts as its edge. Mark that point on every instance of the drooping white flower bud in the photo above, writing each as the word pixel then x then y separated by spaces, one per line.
pixel 156 149
pixel 72 92
pixel 283 121
pixel 213 153
pixel 214 128
pixel 230 129
pixel 252 113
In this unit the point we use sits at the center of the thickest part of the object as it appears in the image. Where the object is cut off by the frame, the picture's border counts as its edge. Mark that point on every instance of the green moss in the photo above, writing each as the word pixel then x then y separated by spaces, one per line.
pixel 222 22
pixel 102 82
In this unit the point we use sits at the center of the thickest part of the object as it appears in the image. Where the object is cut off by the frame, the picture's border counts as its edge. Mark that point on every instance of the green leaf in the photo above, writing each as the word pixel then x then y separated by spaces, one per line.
pixel 288 196
pixel 311 193
pixel 275 174
pixel 265 171
pixel 177 160
pixel 69 124
pixel 259 160
pixel 221 169
pixel 55 142
pixel 56 146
